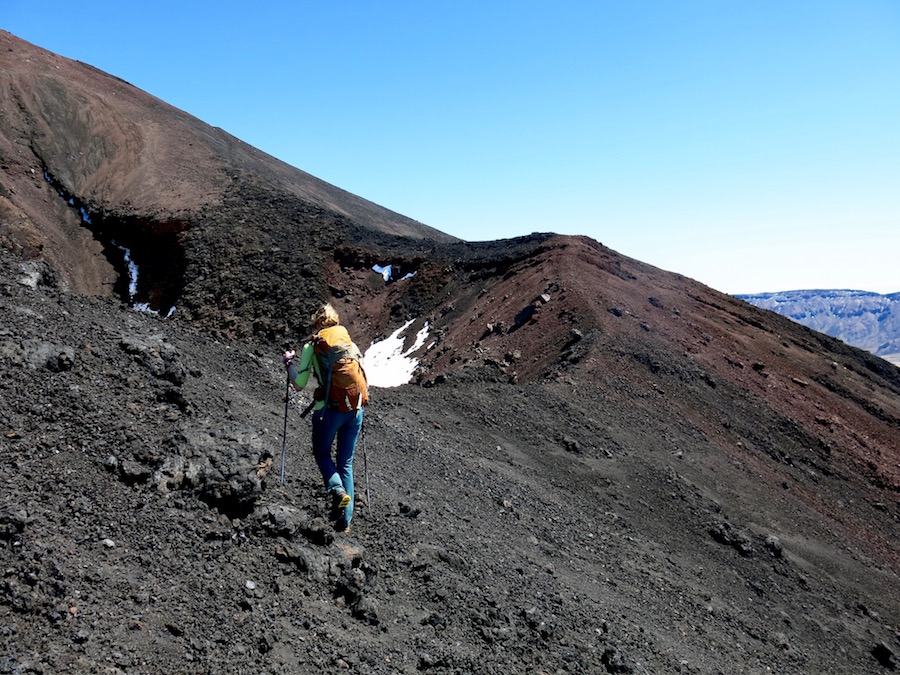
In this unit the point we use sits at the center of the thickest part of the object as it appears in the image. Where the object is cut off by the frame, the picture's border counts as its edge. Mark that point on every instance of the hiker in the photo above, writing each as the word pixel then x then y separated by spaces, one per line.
pixel 339 401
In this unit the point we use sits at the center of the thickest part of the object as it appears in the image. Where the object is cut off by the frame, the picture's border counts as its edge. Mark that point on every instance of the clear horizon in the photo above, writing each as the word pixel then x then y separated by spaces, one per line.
pixel 752 148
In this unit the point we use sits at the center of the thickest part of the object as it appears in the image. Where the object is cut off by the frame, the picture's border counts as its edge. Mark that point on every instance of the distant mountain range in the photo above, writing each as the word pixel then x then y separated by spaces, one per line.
pixel 870 321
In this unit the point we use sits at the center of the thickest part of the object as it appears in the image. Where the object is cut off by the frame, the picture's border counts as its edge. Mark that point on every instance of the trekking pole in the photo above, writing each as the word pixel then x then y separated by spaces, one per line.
pixel 366 463
pixel 287 398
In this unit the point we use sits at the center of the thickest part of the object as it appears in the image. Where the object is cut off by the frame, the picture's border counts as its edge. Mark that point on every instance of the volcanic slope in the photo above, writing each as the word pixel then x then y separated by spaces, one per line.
pixel 91 166
pixel 601 466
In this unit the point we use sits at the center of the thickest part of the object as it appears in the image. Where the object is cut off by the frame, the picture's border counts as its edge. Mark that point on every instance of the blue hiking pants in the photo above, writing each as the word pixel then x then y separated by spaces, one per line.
pixel 337 473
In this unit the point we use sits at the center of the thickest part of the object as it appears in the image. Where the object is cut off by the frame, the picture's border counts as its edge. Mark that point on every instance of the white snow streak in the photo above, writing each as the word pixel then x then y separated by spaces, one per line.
pixel 385 271
pixel 387 365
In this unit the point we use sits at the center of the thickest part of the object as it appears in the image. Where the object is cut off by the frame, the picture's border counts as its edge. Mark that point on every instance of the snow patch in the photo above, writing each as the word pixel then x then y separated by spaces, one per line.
pixel 133 284
pixel 387 365
pixel 387 270
pixel 132 271
pixel 383 270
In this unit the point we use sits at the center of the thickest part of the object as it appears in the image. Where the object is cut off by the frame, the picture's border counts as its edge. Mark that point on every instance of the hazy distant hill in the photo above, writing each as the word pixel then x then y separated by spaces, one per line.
pixel 867 320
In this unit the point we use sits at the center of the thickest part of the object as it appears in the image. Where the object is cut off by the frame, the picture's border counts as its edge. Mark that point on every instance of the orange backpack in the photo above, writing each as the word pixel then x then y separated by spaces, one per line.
pixel 345 387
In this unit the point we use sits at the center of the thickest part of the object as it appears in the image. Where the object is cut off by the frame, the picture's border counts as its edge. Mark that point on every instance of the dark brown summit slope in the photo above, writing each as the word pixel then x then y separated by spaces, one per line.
pixel 602 466
pixel 77 141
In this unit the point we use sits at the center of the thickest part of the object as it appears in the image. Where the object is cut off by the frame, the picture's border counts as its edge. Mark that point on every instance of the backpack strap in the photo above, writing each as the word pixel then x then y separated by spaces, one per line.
pixel 323 365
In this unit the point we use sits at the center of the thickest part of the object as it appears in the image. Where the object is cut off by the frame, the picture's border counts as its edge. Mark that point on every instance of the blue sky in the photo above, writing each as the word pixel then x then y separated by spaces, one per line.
pixel 751 146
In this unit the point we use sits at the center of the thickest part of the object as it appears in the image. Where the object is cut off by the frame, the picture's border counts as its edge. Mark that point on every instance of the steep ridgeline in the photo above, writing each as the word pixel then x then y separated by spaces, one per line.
pixel 92 170
pixel 870 321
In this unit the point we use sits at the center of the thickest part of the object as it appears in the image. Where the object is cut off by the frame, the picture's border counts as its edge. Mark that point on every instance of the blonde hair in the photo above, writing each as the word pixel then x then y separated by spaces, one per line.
pixel 325 316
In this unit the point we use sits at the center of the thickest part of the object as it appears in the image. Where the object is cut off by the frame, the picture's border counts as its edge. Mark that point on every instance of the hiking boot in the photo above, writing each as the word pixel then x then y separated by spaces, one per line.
pixel 341 499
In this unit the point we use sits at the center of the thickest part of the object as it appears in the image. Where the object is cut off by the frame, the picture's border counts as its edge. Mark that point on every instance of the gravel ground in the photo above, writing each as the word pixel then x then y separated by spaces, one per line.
pixel 500 528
